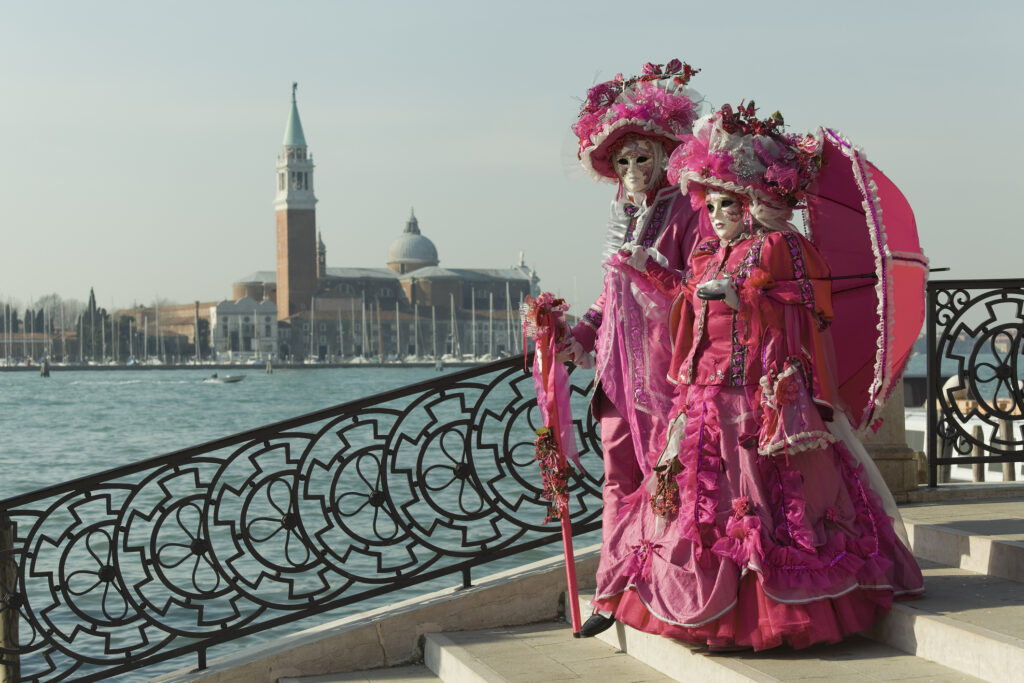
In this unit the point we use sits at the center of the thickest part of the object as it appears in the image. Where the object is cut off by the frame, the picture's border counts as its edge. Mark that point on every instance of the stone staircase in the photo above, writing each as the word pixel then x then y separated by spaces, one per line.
pixel 969 626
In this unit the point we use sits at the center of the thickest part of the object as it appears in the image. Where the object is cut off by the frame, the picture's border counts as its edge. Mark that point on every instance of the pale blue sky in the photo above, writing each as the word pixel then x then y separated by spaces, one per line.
pixel 140 138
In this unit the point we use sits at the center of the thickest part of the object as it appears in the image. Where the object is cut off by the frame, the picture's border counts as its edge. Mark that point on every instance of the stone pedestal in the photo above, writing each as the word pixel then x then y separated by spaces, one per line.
pixel 888 448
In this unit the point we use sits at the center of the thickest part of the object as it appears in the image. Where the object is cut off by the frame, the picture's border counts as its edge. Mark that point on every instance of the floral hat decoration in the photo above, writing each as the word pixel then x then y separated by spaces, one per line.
pixel 656 103
pixel 735 151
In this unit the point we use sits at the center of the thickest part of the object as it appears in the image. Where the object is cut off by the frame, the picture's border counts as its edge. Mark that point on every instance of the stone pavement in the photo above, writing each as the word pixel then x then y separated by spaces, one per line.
pixel 539 652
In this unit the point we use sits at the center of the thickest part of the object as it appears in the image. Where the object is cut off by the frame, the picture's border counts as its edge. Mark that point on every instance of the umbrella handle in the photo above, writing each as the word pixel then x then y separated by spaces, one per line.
pixel 570 557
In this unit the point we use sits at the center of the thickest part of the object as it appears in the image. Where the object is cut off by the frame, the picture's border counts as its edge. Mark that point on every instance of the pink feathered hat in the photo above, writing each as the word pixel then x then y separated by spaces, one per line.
pixel 737 152
pixel 657 103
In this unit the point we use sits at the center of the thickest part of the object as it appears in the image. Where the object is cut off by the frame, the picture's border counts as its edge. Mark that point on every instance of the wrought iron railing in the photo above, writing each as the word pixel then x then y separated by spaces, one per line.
pixel 176 554
pixel 975 333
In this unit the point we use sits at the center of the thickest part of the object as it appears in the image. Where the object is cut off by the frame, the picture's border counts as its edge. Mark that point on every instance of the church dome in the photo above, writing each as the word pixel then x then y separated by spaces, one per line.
pixel 411 250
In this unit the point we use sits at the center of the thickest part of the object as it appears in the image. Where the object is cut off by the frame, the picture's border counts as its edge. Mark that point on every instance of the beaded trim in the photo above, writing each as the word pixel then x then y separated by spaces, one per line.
pixel 709 246
pixel 702 315
pixel 738 364
pixel 637 357
pixel 800 275
pixel 653 228
pixel 592 318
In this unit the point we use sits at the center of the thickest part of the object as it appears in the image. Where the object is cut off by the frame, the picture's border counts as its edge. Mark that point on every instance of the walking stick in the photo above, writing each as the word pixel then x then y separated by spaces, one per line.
pixel 543 320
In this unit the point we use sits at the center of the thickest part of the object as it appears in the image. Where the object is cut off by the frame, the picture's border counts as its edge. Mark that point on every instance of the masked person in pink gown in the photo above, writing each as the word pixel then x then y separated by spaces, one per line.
pixel 626 131
pixel 759 525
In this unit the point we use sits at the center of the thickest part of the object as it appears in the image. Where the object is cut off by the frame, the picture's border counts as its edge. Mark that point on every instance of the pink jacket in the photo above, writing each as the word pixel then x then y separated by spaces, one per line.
pixel 630 333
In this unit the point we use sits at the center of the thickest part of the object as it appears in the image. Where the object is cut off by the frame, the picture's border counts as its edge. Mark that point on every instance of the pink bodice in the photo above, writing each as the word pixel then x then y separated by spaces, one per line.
pixel 785 300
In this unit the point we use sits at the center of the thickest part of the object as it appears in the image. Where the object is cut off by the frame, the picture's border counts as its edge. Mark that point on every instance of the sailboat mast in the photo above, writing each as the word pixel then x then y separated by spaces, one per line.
pixel 198 355
pixel 455 332
pixel 366 351
pixel 508 320
pixel 159 337
pixel 312 326
pixel 380 334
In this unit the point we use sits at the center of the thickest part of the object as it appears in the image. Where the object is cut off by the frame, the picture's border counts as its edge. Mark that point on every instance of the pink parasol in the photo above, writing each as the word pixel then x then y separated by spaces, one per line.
pixel 864 227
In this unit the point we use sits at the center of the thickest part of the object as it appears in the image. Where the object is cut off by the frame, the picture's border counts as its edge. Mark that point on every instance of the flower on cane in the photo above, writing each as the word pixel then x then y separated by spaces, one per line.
pixel 554 475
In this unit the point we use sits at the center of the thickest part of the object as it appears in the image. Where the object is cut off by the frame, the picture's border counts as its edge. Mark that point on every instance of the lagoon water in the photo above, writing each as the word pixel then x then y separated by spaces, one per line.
pixel 77 423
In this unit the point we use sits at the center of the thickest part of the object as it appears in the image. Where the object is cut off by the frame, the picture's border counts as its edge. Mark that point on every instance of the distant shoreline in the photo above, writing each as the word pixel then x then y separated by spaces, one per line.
pixel 250 368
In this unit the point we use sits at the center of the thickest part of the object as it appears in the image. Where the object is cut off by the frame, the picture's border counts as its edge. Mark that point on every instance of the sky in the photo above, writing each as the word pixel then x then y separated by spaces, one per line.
pixel 141 138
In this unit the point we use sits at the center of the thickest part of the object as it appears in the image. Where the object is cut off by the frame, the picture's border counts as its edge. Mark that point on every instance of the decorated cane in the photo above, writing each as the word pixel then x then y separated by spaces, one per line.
pixel 544 321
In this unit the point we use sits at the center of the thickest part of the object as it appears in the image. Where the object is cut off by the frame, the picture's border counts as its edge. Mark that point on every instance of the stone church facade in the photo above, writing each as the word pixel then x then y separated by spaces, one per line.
pixel 413 308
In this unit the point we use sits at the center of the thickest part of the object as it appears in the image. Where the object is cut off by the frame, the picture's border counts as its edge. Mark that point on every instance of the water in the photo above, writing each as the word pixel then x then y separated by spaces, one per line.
pixel 77 423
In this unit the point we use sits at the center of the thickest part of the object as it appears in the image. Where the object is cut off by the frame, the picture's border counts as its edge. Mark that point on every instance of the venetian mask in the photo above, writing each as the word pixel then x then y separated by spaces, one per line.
pixel 637 162
pixel 726 212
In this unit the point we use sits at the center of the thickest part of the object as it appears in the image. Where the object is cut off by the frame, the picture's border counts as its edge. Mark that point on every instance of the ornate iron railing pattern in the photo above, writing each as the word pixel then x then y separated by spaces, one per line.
pixel 176 554
pixel 977 327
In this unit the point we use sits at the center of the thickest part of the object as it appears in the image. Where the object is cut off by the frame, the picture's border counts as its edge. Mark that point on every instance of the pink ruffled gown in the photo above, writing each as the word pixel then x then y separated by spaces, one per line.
pixel 760 526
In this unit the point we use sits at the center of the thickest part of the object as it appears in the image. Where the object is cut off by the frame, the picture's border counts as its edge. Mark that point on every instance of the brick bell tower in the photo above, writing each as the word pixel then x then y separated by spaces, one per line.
pixel 296 221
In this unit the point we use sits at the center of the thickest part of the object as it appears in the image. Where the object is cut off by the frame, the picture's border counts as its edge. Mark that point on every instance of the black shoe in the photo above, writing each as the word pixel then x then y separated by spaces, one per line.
pixel 596 624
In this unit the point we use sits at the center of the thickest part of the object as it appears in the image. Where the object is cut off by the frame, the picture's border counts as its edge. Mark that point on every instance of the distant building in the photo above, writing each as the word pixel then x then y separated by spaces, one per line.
pixel 244 329
pixel 167 332
pixel 413 307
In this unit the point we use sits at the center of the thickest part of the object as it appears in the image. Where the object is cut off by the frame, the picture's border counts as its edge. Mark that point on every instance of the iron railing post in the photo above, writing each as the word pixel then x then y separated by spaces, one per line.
pixel 10 664
pixel 932 378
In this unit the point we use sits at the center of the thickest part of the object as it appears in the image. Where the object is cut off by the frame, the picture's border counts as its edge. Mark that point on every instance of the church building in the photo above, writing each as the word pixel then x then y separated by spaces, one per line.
pixel 413 308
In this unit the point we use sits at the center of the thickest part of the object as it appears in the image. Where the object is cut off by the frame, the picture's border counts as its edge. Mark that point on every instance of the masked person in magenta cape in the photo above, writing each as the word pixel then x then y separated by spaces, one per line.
pixel 759 525
pixel 626 131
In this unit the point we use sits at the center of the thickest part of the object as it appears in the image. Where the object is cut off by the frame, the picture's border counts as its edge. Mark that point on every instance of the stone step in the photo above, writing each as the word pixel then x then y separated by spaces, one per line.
pixel 538 652
pixel 399 674
pixel 970 622
pixel 986 537
pixel 967 626
pixel 853 659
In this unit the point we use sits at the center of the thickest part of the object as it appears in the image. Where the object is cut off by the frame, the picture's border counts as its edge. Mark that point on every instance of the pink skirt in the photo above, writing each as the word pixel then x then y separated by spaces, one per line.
pixel 753 550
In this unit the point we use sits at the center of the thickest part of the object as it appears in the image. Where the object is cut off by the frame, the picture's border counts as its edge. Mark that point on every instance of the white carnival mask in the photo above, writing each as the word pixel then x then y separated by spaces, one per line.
pixel 637 162
pixel 726 212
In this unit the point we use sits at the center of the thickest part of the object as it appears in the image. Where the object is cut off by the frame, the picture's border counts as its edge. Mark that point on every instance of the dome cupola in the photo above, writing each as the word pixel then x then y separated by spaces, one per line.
pixel 411 250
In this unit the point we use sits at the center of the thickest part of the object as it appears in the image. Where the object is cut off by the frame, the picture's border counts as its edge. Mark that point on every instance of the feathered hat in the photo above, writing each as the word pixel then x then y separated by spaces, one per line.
pixel 735 151
pixel 656 103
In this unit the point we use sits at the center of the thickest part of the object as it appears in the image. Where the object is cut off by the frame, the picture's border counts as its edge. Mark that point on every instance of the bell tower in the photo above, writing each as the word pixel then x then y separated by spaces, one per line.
pixel 295 206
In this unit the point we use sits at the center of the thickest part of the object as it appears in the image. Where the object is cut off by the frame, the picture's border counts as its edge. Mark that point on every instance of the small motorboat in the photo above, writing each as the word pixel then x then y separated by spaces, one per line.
pixel 226 379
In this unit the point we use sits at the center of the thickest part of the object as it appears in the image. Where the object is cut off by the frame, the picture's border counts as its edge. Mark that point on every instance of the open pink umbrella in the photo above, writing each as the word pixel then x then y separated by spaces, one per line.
pixel 865 229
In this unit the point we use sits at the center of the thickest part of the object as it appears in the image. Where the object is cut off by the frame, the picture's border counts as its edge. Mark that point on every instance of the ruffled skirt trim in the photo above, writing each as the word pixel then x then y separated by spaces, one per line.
pixel 757 621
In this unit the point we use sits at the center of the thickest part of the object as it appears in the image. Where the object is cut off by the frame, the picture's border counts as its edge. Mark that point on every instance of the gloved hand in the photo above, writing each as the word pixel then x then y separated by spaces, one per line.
pixel 637 256
pixel 718 290
pixel 573 352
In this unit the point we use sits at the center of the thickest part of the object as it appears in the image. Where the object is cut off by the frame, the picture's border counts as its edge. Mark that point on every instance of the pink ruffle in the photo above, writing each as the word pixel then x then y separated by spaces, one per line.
pixel 759 622
pixel 788 540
